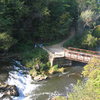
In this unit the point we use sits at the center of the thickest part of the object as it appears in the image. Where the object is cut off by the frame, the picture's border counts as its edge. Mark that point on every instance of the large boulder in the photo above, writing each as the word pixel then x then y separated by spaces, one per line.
pixel 8 90
pixel 40 77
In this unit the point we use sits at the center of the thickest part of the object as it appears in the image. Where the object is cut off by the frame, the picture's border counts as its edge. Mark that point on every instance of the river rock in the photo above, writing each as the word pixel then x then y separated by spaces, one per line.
pixel 40 77
pixel 8 90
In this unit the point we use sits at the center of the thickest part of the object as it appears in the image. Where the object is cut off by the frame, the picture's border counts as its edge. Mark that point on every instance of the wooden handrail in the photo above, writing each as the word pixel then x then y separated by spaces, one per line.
pixel 95 52
pixel 81 53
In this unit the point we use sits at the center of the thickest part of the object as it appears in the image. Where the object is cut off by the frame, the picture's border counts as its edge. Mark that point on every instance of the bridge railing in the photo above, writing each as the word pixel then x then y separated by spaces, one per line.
pixel 85 51
pixel 79 56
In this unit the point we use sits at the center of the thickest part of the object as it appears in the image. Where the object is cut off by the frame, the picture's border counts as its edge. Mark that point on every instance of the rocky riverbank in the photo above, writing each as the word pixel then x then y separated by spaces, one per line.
pixel 8 90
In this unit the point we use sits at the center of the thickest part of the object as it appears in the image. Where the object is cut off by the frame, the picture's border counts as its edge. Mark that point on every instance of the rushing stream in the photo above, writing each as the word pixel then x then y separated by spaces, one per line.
pixel 29 90
pixel 23 81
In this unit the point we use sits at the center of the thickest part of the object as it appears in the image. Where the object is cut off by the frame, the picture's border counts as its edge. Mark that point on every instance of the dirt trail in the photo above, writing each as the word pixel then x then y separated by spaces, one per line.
pixel 59 46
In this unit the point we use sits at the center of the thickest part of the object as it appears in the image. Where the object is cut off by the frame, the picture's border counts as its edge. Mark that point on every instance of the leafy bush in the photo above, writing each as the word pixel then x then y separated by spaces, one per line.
pixel 6 41
pixel 81 92
pixel 89 41
pixel 36 59
pixel 34 56
pixel 91 66
pixel 55 69
pixel 87 16
pixel 85 41
pixel 91 89
pixel 92 71
pixel 96 31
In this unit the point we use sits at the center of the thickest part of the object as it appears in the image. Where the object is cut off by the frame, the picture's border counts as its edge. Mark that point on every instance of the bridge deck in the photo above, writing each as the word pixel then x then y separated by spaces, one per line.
pixel 71 53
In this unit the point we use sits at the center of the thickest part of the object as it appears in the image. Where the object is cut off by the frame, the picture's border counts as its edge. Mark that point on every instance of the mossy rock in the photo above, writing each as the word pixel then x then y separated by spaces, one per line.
pixel 59 98
pixel 96 31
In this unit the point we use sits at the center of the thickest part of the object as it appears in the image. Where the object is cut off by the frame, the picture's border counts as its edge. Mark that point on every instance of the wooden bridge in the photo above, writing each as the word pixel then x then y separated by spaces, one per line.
pixel 80 55
pixel 73 54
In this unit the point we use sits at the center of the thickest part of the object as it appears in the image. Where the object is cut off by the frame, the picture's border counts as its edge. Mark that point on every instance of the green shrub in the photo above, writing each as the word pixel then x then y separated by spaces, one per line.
pixel 89 41
pixel 33 72
pixel 92 71
pixel 34 56
pixel 81 92
pixel 96 31
pixel 6 41
pixel 87 17
pixel 85 41
pixel 44 67
pixel 90 67
pixel 91 89
pixel 36 59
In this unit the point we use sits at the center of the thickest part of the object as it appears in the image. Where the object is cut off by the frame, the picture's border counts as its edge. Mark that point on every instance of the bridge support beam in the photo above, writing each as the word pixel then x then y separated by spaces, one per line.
pixel 61 62
pixel 51 59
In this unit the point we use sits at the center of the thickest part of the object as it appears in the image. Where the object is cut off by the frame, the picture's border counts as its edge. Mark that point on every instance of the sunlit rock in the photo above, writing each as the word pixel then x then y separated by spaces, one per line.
pixel 40 77
pixel 8 90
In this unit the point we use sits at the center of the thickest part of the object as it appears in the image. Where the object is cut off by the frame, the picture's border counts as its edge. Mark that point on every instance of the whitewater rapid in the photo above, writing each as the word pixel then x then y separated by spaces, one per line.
pixel 20 78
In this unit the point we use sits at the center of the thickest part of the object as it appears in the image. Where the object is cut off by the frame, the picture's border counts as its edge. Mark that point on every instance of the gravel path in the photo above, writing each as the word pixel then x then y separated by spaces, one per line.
pixel 57 48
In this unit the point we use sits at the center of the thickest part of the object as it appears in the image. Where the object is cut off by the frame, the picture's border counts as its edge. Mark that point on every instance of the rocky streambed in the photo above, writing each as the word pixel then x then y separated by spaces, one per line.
pixel 8 90
pixel 19 85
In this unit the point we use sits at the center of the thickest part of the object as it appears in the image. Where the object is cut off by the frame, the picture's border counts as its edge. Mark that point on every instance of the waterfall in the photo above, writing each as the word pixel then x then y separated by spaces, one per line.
pixel 20 78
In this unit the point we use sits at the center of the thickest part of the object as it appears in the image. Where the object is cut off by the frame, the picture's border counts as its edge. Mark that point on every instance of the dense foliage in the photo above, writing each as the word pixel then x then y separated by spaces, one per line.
pixel 88 34
pixel 96 31
pixel 36 20
pixel 92 71
pixel 6 41
pixel 89 11
pixel 89 39
pixel 91 89
pixel 24 24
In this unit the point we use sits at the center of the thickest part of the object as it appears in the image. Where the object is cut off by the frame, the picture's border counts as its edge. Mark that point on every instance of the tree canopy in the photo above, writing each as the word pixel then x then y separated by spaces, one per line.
pixel 37 20
pixel 43 21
